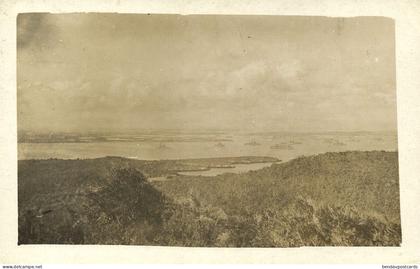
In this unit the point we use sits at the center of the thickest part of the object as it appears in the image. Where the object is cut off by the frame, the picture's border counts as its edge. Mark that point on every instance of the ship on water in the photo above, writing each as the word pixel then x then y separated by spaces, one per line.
pixel 282 146
pixel 252 143
pixel 163 146
pixel 219 145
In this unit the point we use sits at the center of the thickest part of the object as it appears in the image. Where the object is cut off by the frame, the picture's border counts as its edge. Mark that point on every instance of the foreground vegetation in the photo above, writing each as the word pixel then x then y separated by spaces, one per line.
pixel 332 199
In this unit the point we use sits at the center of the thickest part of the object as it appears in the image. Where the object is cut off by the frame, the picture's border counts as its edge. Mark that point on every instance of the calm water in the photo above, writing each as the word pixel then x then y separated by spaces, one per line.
pixel 309 144
pixel 265 145
pixel 239 168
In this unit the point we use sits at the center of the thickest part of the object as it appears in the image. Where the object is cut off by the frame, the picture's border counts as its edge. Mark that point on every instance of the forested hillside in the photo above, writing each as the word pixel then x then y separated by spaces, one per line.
pixel 349 198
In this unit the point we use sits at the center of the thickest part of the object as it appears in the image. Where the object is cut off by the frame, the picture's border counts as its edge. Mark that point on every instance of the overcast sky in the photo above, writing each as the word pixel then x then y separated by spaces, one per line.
pixel 110 72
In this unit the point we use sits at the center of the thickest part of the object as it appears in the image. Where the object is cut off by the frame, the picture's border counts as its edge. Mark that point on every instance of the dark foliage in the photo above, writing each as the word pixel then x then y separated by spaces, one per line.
pixel 333 199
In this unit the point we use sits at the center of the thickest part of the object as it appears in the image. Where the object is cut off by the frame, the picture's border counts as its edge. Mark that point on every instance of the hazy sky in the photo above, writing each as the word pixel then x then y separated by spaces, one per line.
pixel 114 72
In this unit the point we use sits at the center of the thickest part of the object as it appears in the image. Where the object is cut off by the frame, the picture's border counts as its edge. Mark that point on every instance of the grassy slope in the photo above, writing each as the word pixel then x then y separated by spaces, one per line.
pixel 367 181
pixel 346 198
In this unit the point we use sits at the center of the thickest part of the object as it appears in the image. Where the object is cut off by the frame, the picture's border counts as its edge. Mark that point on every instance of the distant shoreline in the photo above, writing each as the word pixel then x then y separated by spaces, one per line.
pixel 196 164
pixel 274 159
pixel 265 159
pixel 170 137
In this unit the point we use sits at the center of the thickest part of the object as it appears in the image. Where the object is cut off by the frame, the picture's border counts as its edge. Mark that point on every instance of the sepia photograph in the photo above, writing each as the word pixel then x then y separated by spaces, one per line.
pixel 255 131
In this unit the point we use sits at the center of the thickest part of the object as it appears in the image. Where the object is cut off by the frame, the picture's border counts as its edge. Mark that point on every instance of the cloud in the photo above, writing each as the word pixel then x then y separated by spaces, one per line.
pixel 107 70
